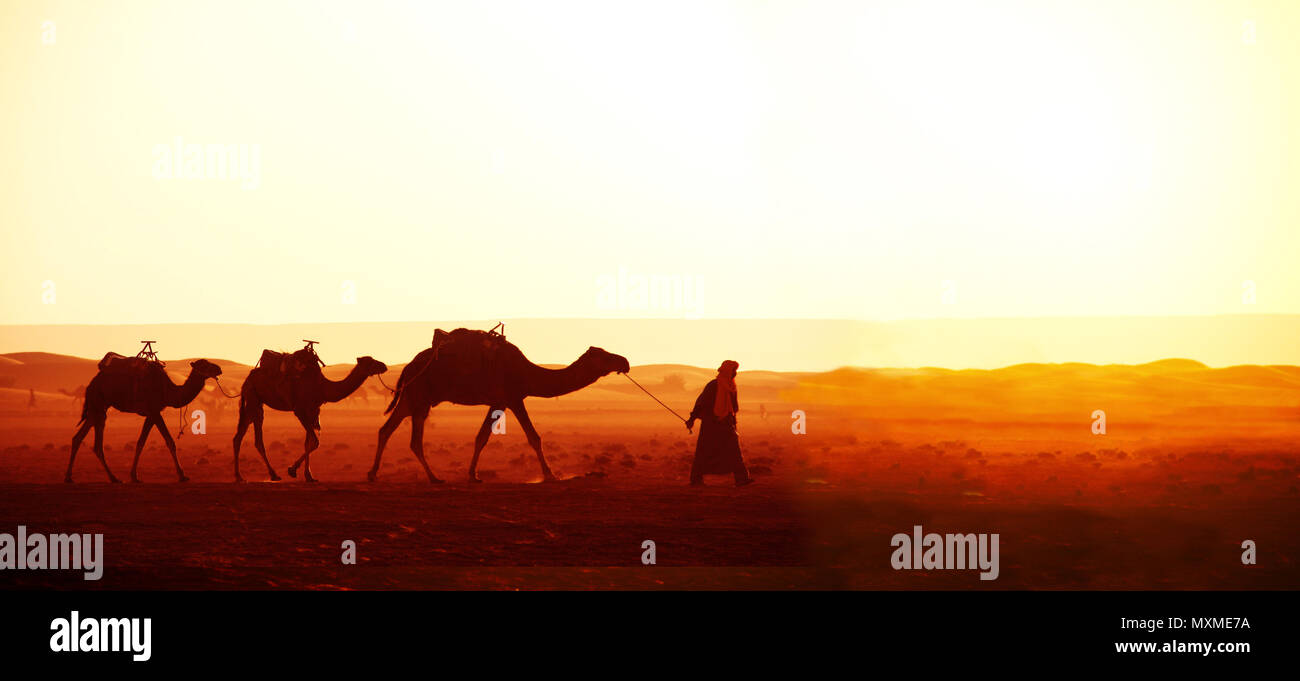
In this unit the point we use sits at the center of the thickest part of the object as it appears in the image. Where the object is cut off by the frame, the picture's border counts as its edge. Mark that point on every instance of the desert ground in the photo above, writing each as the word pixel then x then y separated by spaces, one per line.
pixel 1193 462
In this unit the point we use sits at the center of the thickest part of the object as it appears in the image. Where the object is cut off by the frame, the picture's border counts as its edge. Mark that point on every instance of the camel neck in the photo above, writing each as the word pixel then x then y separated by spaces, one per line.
pixel 543 382
pixel 183 394
pixel 339 390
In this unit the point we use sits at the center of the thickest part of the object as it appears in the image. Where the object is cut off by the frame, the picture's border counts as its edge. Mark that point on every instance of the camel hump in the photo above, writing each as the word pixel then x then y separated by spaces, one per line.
pixel 289 375
pixel 463 336
pixel 469 344
pixel 271 360
pixel 113 362
pixel 110 360
pixel 484 338
pixel 287 363
pixel 476 358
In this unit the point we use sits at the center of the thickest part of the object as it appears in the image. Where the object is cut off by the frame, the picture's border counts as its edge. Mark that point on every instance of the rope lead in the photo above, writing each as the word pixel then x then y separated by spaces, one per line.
pixel 656 399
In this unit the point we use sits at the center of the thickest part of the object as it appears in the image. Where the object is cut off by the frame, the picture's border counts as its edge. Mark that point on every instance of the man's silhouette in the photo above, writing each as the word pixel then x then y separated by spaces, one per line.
pixel 717 451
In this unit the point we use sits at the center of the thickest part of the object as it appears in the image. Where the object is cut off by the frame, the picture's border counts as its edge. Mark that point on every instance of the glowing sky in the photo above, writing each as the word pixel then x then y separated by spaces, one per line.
pixel 859 160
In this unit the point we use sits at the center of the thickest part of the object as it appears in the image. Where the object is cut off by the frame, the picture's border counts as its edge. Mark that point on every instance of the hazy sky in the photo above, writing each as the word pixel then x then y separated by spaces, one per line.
pixel 866 160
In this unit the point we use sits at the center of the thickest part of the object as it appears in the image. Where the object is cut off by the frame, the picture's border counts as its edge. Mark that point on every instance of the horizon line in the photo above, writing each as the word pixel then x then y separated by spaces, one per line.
pixel 775 371
pixel 676 319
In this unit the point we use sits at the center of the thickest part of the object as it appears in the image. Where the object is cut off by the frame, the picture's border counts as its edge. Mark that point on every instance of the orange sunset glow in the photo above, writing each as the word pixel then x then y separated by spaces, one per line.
pixel 927 297
pixel 489 161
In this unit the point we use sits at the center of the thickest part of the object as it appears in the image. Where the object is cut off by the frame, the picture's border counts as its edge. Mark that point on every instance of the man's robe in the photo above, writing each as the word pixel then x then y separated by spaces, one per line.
pixel 717 450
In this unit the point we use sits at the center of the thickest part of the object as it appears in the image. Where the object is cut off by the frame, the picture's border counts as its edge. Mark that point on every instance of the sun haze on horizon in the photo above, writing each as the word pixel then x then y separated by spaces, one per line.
pixel 414 161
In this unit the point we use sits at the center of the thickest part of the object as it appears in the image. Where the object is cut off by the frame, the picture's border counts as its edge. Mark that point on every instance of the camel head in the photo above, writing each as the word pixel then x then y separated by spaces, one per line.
pixel 370 366
pixel 205 368
pixel 606 362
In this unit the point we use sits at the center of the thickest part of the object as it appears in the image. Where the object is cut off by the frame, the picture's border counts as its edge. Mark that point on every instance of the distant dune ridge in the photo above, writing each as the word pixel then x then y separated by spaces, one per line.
pixel 778 345
pixel 1171 389
pixel 1180 389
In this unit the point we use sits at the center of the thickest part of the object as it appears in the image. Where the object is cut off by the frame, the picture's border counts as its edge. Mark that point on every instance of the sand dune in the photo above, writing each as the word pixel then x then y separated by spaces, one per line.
pixel 1035 388
pixel 1194 459
pixel 784 344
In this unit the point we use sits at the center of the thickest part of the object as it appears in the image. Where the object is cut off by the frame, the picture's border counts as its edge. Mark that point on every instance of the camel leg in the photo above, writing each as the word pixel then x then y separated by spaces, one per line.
pixel 252 415
pixel 76 444
pixel 480 441
pixel 385 432
pixel 261 446
pixel 308 446
pixel 171 446
pixel 240 430
pixel 139 446
pixel 418 417
pixel 99 449
pixel 534 440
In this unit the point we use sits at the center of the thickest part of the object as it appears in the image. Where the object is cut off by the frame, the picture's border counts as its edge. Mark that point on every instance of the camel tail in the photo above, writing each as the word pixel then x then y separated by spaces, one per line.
pixel 397 395
pixel 402 382
pixel 409 373
pixel 85 409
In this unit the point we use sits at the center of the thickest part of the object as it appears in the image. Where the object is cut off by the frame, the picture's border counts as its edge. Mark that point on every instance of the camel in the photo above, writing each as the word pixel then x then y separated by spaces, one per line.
pixel 212 402
pixel 78 395
pixel 481 368
pixel 136 387
pixel 302 393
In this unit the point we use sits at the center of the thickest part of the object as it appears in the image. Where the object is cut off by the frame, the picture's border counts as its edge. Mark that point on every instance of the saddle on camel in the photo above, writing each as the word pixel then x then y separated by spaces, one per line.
pixel 473 353
pixel 140 372
pixel 286 370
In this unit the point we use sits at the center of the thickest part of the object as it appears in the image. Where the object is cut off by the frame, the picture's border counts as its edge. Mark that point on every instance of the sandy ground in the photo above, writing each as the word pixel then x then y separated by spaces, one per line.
pixel 1158 504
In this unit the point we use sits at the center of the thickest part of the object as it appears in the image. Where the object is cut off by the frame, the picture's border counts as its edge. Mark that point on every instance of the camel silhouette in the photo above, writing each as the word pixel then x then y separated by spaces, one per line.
pixel 473 367
pixel 136 386
pixel 212 403
pixel 301 391
pixel 78 394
